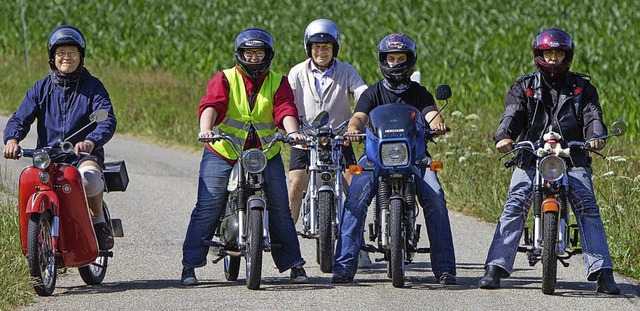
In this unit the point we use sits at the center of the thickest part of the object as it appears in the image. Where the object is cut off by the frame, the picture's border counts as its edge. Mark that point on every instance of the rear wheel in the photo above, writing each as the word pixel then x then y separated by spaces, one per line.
pixel 94 273
pixel 40 254
pixel 549 255
pixel 325 245
pixel 396 243
pixel 253 254
pixel 231 267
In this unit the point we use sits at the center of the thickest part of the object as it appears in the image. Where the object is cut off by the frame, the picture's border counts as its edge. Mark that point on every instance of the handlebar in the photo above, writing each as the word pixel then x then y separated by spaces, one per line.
pixel 216 137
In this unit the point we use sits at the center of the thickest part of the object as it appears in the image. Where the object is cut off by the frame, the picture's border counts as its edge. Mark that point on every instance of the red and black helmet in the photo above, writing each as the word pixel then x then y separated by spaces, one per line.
pixel 553 39
pixel 395 43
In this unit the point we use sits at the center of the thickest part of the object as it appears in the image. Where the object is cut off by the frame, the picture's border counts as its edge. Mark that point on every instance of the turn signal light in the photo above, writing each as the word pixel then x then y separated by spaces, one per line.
pixel 346 143
pixel 436 166
pixel 355 169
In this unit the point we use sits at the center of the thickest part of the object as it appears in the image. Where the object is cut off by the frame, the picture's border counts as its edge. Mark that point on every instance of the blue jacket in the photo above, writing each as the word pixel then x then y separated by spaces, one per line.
pixel 62 108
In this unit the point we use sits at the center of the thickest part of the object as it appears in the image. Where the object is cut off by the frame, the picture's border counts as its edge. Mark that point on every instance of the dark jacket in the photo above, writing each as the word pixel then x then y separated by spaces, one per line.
pixel 577 115
pixel 62 108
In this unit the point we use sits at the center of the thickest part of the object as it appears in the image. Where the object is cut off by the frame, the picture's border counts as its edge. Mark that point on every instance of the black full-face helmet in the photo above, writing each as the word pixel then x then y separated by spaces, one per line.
pixel 553 39
pixel 395 43
pixel 65 35
pixel 322 31
pixel 254 38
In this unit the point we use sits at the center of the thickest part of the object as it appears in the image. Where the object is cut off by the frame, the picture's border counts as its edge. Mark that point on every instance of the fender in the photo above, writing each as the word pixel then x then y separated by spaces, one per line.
pixel 41 201
pixel 550 205
pixel 326 188
pixel 256 202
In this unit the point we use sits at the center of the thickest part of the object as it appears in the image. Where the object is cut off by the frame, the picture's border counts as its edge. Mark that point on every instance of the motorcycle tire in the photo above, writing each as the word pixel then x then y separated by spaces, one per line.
pixel 94 273
pixel 549 254
pixel 231 267
pixel 396 243
pixel 253 254
pixel 40 254
pixel 325 243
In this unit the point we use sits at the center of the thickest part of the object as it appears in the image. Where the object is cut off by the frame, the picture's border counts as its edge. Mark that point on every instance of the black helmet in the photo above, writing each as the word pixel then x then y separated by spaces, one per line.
pixel 395 43
pixel 322 31
pixel 65 35
pixel 553 39
pixel 254 38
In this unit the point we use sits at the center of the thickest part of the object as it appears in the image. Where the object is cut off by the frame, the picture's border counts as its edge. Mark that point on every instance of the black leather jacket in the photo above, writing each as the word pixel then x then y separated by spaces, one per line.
pixel 577 115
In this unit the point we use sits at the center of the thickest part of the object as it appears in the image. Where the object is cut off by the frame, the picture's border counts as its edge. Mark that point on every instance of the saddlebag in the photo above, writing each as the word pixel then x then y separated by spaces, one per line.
pixel 115 176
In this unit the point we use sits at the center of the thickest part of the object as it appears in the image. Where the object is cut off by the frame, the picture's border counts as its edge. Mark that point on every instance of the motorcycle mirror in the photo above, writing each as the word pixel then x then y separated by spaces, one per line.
pixel 443 92
pixel 99 115
pixel 321 119
pixel 66 147
pixel 618 128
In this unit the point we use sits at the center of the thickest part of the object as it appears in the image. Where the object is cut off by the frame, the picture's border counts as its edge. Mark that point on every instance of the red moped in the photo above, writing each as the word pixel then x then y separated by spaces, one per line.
pixel 55 225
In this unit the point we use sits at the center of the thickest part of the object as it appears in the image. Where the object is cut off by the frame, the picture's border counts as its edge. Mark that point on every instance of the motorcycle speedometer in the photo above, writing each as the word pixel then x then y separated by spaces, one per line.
pixel 394 154
pixel 254 161
pixel 552 168
pixel 41 160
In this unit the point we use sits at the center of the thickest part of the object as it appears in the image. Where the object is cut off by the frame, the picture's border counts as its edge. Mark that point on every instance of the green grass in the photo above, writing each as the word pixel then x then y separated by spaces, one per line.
pixel 156 58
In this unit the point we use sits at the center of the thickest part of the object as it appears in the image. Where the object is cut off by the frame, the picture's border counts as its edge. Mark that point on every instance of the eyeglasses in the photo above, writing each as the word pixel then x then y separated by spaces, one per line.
pixel 70 53
pixel 249 54
pixel 324 48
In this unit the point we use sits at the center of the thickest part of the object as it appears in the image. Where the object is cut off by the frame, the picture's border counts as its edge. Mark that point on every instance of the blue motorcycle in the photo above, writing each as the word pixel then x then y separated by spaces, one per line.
pixel 396 144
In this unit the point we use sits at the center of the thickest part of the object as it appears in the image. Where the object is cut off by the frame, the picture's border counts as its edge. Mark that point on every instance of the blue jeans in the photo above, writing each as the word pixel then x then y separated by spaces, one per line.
pixel 212 200
pixel 431 197
pixel 507 236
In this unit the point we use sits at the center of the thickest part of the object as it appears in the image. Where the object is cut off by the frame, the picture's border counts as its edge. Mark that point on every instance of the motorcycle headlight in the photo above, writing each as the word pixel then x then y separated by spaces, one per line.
pixel 552 168
pixel 254 161
pixel 41 160
pixel 324 141
pixel 394 154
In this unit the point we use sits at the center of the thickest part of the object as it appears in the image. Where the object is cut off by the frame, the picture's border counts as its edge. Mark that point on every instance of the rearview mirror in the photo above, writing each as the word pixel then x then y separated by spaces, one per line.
pixel 321 119
pixel 99 115
pixel 618 128
pixel 443 91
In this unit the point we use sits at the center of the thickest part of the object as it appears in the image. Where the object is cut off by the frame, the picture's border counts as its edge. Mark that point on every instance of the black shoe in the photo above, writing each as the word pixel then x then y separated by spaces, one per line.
pixel 104 236
pixel 606 283
pixel 341 278
pixel 447 278
pixel 298 275
pixel 491 279
pixel 188 277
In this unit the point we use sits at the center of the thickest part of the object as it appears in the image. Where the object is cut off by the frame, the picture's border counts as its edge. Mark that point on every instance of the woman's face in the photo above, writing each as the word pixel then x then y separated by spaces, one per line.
pixel 67 59
pixel 553 56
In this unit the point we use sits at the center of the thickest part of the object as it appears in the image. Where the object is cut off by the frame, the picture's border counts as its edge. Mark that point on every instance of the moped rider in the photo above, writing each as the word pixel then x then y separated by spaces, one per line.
pixel 62 102
pixel 568 103
pixel 249 102
pixel 321 83
pixel 396 60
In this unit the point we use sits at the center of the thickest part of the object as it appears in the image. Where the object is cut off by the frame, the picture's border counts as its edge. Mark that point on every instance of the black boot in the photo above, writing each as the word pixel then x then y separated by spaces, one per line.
pixel 606 283
pixel 492 277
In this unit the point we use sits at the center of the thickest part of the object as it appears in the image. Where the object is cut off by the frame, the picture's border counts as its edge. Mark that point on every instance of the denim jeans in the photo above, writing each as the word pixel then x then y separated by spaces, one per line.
pixel 508 232
pixel 212 200
pixel 430 196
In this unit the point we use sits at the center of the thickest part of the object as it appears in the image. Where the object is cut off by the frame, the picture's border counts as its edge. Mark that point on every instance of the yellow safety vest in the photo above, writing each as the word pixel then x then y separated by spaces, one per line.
pixel 240 118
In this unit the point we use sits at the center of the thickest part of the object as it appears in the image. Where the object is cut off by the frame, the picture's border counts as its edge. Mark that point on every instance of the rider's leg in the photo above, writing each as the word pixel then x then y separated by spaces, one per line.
pixel 298 180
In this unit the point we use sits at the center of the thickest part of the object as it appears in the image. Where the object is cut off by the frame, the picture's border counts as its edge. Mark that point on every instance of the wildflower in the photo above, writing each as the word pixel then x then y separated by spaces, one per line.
pixel 617 159
pixel 456 114
pixel 472 116
pixel 609 173
pixel 462 159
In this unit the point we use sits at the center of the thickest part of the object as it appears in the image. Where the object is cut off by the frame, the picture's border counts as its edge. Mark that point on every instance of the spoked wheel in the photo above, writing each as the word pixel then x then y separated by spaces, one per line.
pixel 94 273
pixel 231 267
pixel 40 254
pixel 253 254
pixel 325 242
pixel 396 244
pixel 549 255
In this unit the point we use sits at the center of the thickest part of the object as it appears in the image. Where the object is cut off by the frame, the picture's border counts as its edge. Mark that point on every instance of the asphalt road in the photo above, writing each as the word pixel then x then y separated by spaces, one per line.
pixel 145 270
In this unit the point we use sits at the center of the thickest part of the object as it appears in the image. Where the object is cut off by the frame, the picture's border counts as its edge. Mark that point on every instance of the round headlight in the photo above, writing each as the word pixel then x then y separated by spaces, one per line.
pixel 254 161
pixel 41 160
pixel 552 168
pixel 324 141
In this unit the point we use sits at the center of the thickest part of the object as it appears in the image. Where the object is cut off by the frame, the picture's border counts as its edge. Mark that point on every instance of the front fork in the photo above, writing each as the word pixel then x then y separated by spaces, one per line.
pixel 540 205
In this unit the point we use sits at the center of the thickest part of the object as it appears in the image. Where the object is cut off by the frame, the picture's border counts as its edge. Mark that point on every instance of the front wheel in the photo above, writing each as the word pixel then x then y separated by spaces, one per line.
pixel 549 255
pixel 326 216
pixel 94 273
pixel 396 243
pixel 40 254
pixel 253 254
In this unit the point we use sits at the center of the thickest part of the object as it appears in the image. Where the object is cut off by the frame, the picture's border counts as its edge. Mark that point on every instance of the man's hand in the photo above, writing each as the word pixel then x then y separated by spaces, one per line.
pixel 353 130
pixel 439 128
pixel 298 138
pixel 205 134
pixel 84 146
pixel 11 149
pixel 504 145
pixel 596 144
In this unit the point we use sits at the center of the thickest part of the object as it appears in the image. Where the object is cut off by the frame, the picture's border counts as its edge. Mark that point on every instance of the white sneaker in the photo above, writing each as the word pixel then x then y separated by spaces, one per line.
pixel 363 260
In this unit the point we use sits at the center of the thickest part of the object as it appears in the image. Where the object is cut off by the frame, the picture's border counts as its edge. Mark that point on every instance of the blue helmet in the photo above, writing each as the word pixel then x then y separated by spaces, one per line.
pixel 395 43
pixel 254 38
pixel 65 35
